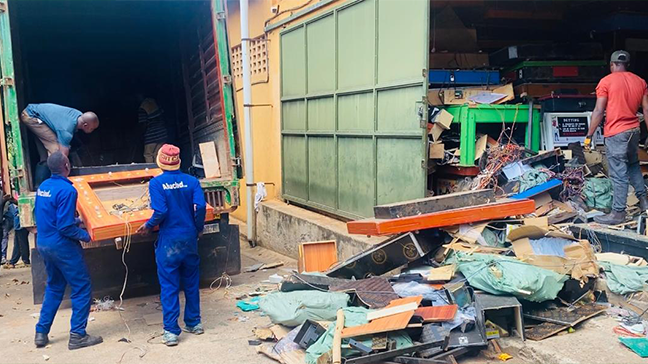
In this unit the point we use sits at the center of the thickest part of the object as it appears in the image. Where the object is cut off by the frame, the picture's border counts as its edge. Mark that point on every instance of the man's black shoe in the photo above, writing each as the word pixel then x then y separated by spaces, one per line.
pixel 41 340
pixel 77 341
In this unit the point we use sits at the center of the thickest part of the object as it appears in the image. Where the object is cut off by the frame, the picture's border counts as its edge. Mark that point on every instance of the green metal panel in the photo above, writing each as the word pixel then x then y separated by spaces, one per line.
pixel 402 29
pixel 357 180
pixel 356 46
pixel 356 75
pixel 321 57
pixel 356 112
pixel 293 57
pixel 321 169
pixel 293 115
pixel 321 114
pixel 294 167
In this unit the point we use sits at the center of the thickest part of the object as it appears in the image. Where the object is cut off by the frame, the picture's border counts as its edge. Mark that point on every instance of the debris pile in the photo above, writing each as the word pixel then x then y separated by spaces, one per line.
pixel 459 271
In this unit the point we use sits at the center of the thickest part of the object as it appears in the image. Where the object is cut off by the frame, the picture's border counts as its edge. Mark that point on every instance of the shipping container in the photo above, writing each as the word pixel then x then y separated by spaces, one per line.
pixel 104 56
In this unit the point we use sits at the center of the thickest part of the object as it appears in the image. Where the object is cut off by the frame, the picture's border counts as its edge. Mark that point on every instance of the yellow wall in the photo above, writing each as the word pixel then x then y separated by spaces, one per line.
pixel 266 120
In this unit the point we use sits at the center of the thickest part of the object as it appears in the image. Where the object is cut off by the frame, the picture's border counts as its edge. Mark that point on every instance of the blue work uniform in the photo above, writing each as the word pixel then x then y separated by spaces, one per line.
pixel 58 243
pixel 179 208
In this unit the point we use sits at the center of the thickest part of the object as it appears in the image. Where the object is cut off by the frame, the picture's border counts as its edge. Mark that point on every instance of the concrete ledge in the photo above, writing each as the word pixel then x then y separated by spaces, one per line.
pixel 281 227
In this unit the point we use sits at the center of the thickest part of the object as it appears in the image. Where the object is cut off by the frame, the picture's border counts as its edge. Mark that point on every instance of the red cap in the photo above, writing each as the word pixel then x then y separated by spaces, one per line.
pixel 168 158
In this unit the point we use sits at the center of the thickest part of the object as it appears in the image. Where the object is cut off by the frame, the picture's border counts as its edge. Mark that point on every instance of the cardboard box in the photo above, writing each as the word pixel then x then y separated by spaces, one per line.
pixel 443 119
pixel 442 122
pixel 579 260
pixel 437 150
pixel 458 60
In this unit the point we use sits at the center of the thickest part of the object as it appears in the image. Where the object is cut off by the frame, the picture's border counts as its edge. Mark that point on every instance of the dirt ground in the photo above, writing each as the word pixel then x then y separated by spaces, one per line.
pixel 227 329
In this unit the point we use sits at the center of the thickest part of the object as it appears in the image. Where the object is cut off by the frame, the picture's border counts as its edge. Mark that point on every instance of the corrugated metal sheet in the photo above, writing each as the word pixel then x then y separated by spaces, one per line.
pixel 352 91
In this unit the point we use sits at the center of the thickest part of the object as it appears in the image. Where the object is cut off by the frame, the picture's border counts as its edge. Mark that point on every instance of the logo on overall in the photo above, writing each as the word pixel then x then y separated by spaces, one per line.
pixel 174 186
pixel 42 193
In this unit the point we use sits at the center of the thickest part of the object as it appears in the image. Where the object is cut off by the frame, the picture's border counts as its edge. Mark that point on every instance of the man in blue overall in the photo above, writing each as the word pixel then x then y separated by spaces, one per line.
pixel 58 244
pixel 179 208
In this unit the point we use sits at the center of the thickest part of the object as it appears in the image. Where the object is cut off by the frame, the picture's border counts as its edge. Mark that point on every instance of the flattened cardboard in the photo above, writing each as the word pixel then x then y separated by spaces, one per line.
pixel 437 150
pixel 542 199
pixel 441 274
pixel 480 146
pixel 579 259
pixel 537 221
pixel 436 132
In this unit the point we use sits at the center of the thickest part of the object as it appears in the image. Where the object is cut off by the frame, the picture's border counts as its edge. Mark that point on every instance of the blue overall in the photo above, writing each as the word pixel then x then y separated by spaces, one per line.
pixel 178 205
pixel 58 243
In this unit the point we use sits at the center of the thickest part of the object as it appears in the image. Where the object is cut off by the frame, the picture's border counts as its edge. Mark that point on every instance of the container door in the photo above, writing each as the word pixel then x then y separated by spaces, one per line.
pixel 210 103
pixel 11 152
pixel 353 85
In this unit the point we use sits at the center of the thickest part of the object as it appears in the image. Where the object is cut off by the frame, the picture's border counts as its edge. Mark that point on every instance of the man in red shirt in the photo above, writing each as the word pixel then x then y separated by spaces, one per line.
pixel 619 95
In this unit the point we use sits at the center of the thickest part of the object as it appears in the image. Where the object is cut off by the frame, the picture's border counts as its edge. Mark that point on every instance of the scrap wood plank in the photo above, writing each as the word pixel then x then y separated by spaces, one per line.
pixel 434 204
pixel 437 313
pixel 548 329
pixel 385 324
pixel 497 210
pixel 210 159
pixel 390 311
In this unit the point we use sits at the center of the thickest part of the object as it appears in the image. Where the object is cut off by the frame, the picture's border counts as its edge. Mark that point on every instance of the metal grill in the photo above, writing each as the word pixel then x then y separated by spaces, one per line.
pixel 216 199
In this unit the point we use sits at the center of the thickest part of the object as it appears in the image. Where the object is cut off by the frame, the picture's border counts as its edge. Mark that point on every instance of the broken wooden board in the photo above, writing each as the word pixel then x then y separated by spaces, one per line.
pixel 386 256
pixel 466 215
pixel 391 311
pixel 385 324
pixel 548 329
pixel 434 204
pixel 375 292
pixel 317 256
pixel 210 159
pixel 437 313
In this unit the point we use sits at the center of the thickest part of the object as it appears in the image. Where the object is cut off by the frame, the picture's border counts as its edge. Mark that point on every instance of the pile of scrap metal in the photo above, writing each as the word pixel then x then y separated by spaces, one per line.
pixel 456 272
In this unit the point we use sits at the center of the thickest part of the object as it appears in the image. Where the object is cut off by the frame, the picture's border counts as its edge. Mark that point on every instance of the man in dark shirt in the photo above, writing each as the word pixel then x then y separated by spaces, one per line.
pixel 155 135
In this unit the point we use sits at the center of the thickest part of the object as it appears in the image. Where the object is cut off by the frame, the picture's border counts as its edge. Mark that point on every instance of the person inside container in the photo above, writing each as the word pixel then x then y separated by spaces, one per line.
pixel 619 96
pixel 152 116
pixel 58 244
pixel 179 208
pixel 55 125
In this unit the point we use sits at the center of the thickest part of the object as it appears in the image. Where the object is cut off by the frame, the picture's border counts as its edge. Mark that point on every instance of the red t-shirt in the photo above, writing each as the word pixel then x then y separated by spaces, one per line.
pixel 624 92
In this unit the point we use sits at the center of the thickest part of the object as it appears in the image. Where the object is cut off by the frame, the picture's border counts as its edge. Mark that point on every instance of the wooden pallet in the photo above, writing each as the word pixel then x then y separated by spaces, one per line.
pixel 102 225
pixel 492 211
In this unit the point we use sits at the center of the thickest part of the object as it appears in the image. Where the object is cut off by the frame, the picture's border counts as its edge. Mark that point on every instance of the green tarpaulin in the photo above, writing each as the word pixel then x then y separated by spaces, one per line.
pixel 508 276
pixel 637 344
pixel 622 279
pixel 293 308
pixel 598 193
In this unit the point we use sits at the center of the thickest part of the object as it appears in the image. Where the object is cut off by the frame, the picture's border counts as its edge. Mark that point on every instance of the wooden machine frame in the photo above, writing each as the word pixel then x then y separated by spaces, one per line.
pixel 98 221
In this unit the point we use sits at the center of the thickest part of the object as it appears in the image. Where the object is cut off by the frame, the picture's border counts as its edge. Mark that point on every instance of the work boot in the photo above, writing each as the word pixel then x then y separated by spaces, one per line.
pixel 613 218
pixel 169 338
pixel 77 341
pixel 643 203
pixel 196 330
pixel 41 340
